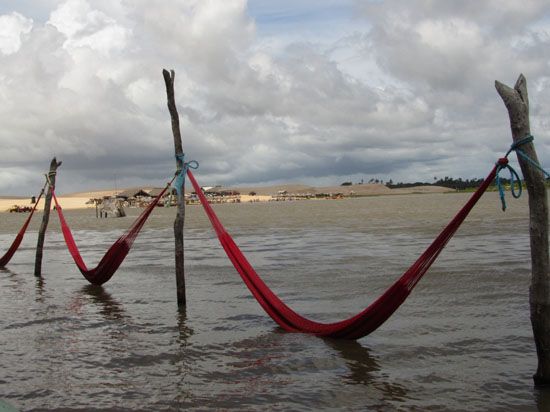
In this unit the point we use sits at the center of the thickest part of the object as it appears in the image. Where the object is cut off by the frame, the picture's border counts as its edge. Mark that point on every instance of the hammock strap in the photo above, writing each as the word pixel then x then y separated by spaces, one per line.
pixel 118 251
pixel 4 260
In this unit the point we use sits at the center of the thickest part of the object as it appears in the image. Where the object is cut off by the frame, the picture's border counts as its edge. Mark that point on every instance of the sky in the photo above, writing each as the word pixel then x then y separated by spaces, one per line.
pixel 311 91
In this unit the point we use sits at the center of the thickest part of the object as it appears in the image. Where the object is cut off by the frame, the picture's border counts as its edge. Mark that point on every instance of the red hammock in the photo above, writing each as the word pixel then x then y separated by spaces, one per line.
pixel 4 260
pixel 364 322
pixel 113 258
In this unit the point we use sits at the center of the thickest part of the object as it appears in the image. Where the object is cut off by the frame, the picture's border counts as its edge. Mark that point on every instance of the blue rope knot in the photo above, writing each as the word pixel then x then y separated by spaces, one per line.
pixel 179 183
pixel 501 165
pixel 527 139
pixel 516 146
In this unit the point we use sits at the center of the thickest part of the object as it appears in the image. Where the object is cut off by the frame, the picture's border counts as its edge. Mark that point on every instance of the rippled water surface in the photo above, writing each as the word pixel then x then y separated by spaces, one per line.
pixel 461 342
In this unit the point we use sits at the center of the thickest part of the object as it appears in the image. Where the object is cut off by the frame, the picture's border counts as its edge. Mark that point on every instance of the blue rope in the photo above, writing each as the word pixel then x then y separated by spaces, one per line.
pixel 503 164
pixel 179 183
pixel 515 146
pixel 524 155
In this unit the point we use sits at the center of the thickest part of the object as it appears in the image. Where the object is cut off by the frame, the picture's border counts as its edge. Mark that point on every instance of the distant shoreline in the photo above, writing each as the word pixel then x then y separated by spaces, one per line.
pixel 79 200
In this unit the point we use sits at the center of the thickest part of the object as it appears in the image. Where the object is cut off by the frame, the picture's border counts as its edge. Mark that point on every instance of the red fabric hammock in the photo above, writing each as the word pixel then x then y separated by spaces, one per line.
pixel 116 254
pixel 364 322
pixel 4 260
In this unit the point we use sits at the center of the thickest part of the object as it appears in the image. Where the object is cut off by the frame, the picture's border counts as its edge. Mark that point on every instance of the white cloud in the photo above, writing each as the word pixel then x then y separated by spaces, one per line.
pixel 12 27
pixel 74 16
pixel 86 27
pixel 450 35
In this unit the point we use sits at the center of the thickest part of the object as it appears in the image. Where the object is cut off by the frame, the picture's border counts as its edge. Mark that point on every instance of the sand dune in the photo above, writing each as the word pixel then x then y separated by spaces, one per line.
pixel 358 190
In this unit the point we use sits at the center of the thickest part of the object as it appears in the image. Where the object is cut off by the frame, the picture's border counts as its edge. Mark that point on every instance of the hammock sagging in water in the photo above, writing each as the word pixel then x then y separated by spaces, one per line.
pixel 364 322
pixel 4 260
pixel 116 254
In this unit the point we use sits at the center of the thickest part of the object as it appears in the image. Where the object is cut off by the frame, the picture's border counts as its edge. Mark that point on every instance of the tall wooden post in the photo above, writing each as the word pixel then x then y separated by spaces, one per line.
pixel 517 102
pixel 180 214
pixel 45 218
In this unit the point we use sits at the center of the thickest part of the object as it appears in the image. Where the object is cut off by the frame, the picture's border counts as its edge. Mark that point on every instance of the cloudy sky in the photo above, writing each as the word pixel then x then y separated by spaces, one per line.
pixel 312 91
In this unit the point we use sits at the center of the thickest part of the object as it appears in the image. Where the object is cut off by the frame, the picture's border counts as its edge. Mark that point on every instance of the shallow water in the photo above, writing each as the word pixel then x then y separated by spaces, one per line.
pixel 461 342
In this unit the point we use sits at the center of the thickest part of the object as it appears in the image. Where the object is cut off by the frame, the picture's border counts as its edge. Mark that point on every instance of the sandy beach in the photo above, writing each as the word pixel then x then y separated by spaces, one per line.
pixel 261 194
pixel 66 202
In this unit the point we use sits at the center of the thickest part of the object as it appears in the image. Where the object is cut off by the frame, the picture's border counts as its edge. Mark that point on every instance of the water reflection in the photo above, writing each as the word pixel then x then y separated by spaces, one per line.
pixel 183 361
pixel 15 278
pixel 109 307
pixel 364 369
pixel 542 396
pixel 39 289
pixel 5 270
pixel 184 331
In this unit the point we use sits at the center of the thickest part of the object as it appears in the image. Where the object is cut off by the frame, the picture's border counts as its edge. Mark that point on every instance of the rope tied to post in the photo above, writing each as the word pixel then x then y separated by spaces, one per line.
pixel 180 179
pixel 49 177
pixel 516 147
pixel 514 177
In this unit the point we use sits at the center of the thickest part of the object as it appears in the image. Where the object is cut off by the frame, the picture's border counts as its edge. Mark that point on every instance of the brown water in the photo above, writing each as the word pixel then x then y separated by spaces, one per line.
pixel 461 342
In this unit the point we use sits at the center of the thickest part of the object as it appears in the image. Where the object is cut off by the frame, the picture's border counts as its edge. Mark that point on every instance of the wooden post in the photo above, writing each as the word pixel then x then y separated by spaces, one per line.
pixel 180 214
pixel 517 102
pixel 45 218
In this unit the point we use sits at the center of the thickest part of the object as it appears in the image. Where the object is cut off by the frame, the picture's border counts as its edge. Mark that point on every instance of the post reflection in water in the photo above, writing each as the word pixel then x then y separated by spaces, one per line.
pixel 183 361
pixel 40 289
pixel 184 331
pixel 542 395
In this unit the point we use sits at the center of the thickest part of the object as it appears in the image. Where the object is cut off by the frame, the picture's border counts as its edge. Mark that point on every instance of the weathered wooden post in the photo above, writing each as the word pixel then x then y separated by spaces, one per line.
pixel 180 214
pixel 517 102
pixel 45 218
